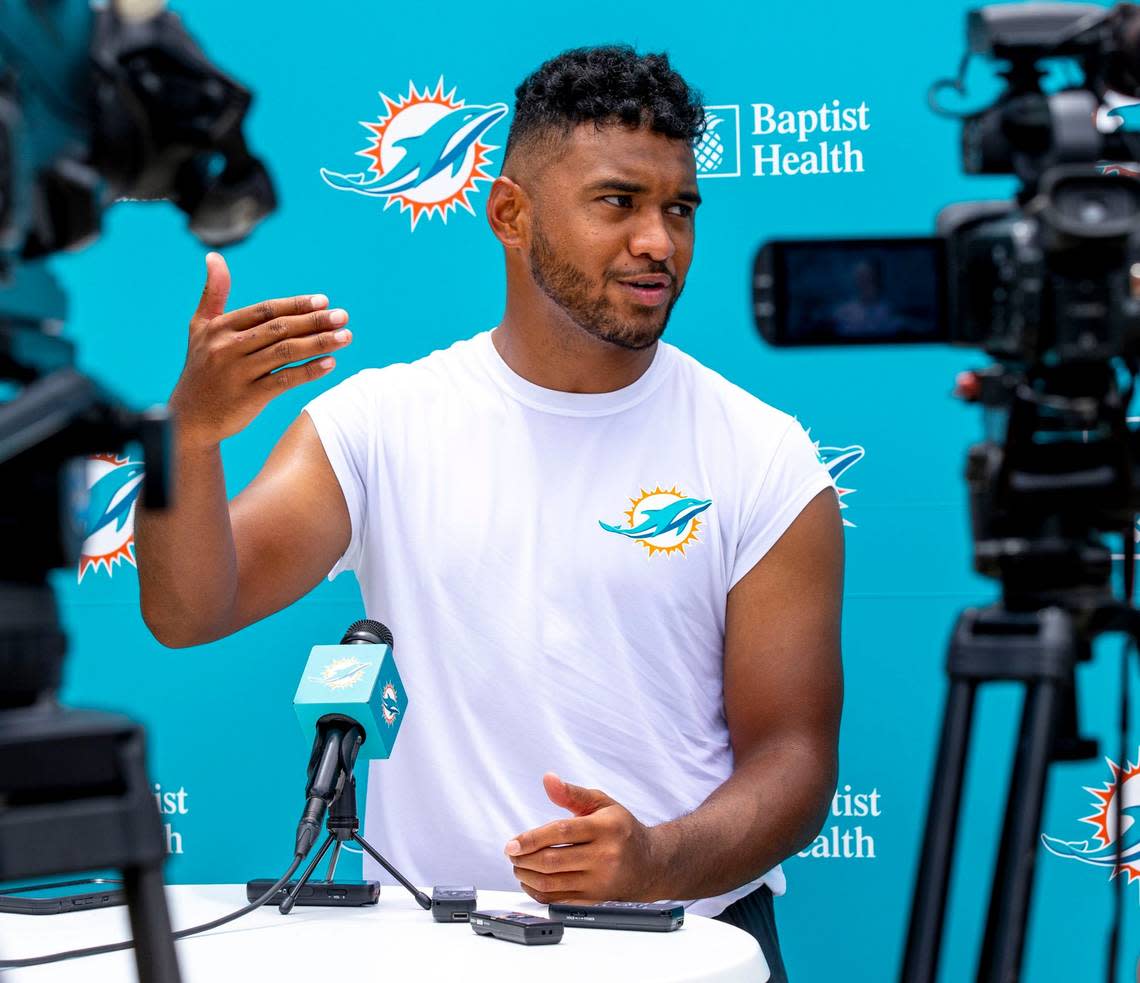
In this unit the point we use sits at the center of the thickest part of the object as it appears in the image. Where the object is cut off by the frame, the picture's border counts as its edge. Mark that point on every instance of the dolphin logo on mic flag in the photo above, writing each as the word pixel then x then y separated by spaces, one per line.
pixel 338 680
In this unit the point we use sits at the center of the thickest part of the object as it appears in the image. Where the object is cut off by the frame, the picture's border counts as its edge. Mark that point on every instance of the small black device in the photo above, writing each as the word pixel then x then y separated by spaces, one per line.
pixel 452 904
pixel 515 926
pixel 329 894
pixel 56 897
pixel 851 291
pixel 636 916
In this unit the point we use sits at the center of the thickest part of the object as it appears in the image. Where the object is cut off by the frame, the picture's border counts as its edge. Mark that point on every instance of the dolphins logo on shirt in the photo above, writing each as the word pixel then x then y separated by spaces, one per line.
pixel 662 521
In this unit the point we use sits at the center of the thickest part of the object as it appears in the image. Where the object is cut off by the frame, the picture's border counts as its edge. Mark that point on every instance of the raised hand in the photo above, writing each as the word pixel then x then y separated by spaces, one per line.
pixel 233 361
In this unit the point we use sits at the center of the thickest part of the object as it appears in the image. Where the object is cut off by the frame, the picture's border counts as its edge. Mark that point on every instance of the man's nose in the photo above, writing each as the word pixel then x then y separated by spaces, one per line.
pixel 652 238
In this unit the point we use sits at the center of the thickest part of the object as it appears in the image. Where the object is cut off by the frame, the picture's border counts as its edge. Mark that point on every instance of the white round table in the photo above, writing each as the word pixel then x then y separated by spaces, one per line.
pixel 394 940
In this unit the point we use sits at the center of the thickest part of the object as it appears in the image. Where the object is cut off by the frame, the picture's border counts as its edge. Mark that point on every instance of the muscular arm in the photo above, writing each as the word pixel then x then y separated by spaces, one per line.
pixel 783 687
pixel 208 568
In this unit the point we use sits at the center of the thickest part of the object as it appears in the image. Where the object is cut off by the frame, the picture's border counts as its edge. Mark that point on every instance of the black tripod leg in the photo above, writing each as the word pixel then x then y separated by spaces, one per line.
pixel 332 862
pixel 421 899
pixel 1017 852
pixel 928 906
pixel 150 925
pixel 290 899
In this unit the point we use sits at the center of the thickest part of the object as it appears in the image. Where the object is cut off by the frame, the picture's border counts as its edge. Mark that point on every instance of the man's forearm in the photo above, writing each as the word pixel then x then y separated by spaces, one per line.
pixel 771 806
pixel 185 553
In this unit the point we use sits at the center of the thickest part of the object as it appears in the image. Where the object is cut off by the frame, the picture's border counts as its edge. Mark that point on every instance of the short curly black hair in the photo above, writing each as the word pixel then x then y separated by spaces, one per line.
pixel 609 84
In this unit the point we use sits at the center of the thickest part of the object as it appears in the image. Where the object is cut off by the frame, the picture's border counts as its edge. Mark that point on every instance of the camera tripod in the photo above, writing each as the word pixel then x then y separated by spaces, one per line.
pixel 1036 508
pixel 74 793
pixel 1039 649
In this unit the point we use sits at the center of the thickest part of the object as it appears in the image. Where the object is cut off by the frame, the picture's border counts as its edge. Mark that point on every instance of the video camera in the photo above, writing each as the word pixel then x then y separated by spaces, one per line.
pixel 1046 284
pixel 1043 277
pixel 97 104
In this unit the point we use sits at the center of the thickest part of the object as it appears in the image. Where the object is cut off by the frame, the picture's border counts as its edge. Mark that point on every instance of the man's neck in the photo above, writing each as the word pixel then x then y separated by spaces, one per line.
pixel 563 357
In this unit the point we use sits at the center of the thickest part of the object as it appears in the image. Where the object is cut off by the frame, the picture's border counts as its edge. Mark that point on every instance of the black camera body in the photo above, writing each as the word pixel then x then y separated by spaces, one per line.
pixel 98 102
pixel 1048 285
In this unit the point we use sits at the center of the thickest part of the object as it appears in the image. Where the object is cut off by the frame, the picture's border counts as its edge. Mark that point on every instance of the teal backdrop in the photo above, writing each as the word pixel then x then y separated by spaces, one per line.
pixel 317 72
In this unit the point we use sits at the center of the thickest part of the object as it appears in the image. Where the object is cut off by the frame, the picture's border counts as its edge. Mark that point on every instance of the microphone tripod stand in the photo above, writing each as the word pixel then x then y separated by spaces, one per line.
pixel 343 825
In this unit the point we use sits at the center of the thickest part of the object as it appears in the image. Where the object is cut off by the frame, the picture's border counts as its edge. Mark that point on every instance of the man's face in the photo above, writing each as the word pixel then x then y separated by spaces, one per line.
pixel 612 230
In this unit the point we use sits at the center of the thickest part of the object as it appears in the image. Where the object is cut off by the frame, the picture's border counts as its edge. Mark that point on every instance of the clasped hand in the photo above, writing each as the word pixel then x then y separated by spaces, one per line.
pixel 602 853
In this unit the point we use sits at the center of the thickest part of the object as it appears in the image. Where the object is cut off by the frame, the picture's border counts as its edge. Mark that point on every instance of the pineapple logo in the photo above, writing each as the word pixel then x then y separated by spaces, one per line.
pixel 718 151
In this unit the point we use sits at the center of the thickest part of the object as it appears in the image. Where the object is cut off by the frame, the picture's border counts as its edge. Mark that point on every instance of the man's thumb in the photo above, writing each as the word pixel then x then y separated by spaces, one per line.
pixel 217 288
pixel 577 799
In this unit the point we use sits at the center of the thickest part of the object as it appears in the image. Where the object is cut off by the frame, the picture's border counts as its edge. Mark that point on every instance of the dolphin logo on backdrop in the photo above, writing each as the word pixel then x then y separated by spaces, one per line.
pixel 425 154
pixel 113 486
pixel 662 521
pixel 1101 850
pixel 839 460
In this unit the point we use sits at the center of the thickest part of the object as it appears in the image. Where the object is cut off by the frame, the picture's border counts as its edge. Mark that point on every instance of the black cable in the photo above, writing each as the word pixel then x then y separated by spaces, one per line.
pixel 958 84
pixel 182 934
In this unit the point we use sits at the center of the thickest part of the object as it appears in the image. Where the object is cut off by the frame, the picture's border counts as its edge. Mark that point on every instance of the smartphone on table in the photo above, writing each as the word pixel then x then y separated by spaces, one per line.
pixel 56 897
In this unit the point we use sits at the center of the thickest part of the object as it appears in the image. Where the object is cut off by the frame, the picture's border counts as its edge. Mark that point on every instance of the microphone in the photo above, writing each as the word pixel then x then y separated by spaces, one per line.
pixel 352 696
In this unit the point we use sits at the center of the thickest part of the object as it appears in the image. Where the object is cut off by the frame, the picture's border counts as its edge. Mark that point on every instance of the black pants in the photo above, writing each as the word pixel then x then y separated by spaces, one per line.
pixel 753 913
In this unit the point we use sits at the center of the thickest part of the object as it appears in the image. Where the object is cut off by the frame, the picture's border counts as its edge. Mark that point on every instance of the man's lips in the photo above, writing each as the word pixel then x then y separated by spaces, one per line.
pixel 650 289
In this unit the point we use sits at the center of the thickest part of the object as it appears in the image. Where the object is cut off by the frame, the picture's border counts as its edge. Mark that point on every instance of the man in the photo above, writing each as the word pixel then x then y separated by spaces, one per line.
pixel 614 578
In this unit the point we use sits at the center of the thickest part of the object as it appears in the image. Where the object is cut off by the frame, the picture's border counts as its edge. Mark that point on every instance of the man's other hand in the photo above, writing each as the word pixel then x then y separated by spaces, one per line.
pixel 601 854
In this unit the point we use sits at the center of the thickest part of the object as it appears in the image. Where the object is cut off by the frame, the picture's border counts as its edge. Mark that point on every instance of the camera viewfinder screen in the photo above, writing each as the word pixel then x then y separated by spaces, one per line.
pixel 852 291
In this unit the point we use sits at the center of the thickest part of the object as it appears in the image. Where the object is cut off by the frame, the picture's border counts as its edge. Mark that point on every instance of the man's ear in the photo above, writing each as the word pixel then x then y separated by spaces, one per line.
pixel 508 213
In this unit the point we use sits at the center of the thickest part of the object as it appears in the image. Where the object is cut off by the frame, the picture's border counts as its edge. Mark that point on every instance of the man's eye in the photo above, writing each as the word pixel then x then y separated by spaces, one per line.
pixel 622 201
pixel 683 210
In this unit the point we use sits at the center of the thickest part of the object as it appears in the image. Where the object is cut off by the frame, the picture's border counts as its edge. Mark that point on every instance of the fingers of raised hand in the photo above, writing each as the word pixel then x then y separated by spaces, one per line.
pixel 264 311
pixel 279 382
pixel 297 349
pixel 271 331
pixel 278 329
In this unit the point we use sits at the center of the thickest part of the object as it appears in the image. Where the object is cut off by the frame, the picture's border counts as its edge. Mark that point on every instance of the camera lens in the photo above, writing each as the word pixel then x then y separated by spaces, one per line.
pixel 1092 210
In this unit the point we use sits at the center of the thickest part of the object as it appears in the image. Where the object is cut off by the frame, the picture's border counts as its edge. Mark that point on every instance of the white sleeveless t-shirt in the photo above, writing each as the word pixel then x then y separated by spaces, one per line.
pixel 554 568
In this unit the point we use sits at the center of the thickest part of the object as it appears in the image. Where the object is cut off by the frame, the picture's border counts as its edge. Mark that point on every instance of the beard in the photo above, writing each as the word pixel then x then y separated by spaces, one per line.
pixel 570 289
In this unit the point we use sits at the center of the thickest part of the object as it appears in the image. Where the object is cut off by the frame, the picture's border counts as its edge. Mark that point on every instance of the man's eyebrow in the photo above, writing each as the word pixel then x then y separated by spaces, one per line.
pixel 633 188
pixel 617 184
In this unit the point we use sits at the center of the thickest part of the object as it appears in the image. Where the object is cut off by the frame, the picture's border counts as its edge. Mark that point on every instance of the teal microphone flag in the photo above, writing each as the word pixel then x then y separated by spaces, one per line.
pixel 357 681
